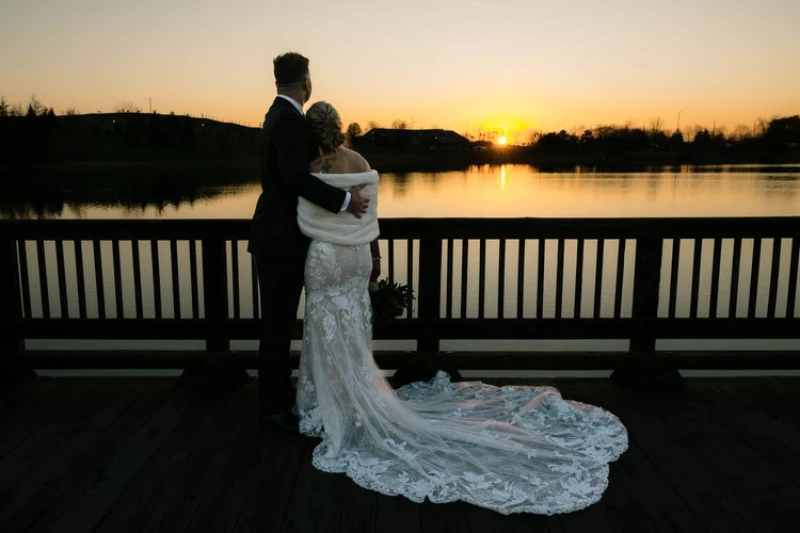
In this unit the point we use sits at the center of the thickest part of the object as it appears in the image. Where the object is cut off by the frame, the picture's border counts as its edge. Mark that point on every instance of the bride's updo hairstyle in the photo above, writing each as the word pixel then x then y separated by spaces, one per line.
pixel 326 126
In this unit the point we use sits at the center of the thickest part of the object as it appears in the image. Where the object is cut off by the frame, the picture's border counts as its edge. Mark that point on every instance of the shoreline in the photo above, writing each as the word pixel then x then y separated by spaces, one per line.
pixel 402 162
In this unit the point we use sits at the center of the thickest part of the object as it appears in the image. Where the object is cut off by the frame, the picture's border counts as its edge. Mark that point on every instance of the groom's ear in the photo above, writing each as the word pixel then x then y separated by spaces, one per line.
pixel 307 86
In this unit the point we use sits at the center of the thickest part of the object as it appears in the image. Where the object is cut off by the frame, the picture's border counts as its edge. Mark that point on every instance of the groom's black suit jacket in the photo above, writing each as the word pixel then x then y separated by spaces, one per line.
pixel 286 149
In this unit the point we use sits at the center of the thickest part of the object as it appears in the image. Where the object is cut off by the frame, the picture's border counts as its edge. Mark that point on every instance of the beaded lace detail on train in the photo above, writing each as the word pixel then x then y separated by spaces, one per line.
pixel 510 449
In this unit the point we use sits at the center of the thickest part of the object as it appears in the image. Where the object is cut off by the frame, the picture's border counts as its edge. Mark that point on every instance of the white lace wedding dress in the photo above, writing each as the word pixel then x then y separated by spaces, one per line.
pixel 509 449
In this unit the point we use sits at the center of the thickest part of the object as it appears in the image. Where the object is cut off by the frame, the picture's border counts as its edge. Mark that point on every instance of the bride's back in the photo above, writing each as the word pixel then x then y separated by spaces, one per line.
pixel 343 160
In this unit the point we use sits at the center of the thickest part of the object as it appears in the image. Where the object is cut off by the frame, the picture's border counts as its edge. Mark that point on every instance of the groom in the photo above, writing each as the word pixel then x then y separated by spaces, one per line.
pixel 278 246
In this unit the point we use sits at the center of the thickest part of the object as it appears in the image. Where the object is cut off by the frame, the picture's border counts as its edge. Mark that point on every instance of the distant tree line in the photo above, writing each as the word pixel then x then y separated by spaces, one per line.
pixel 35 134
pixel 779 135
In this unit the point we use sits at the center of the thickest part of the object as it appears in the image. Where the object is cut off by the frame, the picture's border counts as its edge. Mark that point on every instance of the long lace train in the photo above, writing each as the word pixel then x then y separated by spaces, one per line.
pixel 510 449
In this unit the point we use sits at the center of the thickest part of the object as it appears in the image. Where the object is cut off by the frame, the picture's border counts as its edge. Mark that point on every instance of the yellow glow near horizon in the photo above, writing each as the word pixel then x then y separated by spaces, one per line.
pixel 564 65
pixel 502 141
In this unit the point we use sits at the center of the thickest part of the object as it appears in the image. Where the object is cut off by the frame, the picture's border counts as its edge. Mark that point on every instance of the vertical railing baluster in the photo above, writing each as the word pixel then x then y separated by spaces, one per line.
pixel 98 278
pixel 753 300
pixel 137 279
pixel 540 280
pixel 697 257
pixel 117 278
pixel 81 278
pixel 598 277
pixel 391 260
pixel 449 281
pixel 715 275
pixel 176 286
pixel 735 262
pixel 578 280
pixel 43 286
pixel 620 278
pixel 62 279
pixel 410 274
pixel 464 273
pixel 235 277
pixel 773 278
pixel 481 278
pixel 521 279
pixel 25 279
pixel 673 276
pixel 501 280
pixel 156 265
pixel 559 276
pixel 193 274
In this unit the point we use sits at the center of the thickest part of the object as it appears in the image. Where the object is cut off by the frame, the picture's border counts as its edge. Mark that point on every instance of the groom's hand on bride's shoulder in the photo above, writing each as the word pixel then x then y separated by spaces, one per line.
pixel 358 203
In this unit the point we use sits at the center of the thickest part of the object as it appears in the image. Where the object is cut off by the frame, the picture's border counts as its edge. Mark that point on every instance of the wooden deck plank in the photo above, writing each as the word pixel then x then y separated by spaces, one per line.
pixel 760 422
pixel 147 497
pixel 195 504
pixel 675 461
pixel 666 509
pixel 765 497
pixel 42 498
pixel 279 457
pixel 25 409
pixel 134 455
pixel 35 462
pixel 106 484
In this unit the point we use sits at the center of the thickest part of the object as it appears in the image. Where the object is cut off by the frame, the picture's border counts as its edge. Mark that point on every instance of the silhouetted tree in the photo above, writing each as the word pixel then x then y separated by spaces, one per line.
pixel 353 131
pixel 676 139
pixel 400 125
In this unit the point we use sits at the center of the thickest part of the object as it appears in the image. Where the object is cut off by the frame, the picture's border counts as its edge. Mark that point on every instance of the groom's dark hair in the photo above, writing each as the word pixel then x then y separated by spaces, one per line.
pixel 289 68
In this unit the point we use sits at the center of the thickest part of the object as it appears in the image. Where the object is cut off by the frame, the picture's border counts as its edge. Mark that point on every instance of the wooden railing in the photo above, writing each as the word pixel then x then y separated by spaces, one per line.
pixel 473 279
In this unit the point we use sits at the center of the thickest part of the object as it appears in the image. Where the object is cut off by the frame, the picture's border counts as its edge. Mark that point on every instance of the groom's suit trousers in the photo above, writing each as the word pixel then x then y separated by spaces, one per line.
pixel 280 285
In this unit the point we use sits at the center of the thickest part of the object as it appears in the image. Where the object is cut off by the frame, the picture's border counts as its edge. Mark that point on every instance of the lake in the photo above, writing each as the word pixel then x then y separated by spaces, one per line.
pixel 480 191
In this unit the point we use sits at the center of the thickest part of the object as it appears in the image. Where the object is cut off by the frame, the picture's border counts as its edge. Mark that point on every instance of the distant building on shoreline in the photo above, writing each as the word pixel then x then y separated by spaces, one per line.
pixel 433 139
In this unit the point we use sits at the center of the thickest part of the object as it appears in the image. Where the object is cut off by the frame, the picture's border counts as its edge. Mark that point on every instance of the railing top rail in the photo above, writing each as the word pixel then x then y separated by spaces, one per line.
pixel 456 228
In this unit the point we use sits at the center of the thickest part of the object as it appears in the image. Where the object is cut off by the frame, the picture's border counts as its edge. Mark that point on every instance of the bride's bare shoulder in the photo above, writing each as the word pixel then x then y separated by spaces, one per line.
pixel 355 161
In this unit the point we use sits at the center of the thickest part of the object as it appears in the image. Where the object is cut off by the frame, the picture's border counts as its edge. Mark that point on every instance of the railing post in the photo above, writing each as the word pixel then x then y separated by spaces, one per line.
pixel 427 362
pixel 215 368
pixel 430 292
pixel 215 292
pixel 646 285
pixel 11 343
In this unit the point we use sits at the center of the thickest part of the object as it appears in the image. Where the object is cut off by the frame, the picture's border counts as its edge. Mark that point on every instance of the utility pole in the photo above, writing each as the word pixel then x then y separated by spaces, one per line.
pixel 679 120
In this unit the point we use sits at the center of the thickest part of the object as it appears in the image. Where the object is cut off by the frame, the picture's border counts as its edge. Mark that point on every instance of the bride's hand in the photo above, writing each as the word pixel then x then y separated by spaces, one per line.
pixel 358 204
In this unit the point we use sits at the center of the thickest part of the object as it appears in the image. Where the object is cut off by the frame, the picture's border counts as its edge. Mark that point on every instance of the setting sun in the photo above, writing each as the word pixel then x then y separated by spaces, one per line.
pixel 502 141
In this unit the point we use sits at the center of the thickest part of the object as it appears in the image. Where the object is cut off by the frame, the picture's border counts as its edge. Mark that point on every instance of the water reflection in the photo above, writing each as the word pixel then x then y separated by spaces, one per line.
pixel 480 191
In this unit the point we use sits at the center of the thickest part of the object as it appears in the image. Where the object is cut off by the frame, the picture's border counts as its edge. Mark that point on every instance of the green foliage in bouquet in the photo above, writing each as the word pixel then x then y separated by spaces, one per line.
pixel 389 301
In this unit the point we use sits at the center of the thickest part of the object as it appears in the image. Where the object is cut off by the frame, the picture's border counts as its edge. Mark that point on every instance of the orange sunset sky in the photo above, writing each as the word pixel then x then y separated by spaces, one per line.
pixel 510 65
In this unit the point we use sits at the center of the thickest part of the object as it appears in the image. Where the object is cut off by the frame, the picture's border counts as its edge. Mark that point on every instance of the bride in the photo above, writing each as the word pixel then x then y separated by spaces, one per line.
pixel 511 449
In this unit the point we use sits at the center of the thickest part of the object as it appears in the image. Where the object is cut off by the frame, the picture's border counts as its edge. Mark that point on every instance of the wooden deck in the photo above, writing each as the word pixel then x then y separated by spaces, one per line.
pixel 111 455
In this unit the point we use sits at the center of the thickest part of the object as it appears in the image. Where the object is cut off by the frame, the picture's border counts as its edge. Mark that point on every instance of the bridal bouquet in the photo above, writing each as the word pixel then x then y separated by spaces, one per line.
pixel 389 300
